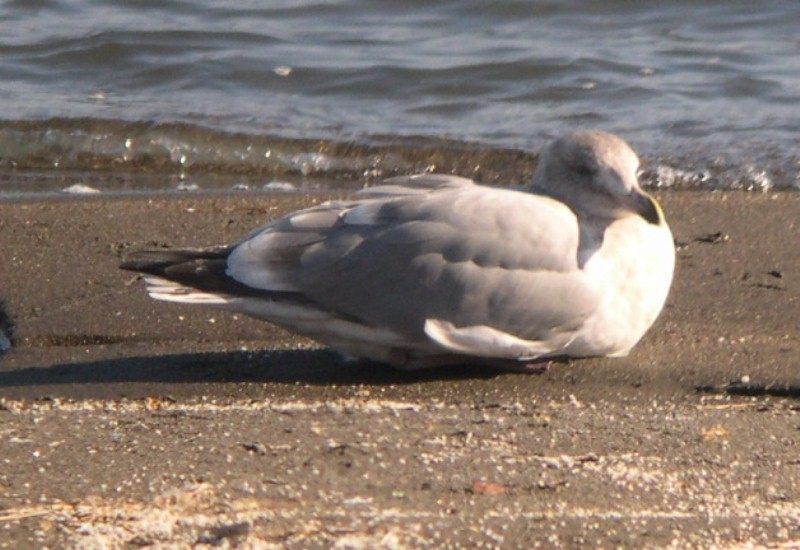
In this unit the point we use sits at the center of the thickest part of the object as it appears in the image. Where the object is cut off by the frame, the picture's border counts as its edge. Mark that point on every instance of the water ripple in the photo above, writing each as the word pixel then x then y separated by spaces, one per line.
pixel 676 79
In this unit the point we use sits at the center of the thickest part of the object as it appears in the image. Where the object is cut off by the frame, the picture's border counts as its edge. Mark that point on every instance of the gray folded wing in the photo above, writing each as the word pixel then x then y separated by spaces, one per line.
pixel 432 257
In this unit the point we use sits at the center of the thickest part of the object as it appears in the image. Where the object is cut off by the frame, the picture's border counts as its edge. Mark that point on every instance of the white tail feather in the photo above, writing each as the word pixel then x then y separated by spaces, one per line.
pixel 169 291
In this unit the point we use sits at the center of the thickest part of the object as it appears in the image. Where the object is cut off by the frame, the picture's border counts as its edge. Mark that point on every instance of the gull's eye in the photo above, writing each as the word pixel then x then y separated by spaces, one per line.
pixel 585 169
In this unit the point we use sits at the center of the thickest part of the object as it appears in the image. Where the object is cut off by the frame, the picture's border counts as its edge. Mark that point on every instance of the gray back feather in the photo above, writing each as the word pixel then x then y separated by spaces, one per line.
pixel 432 248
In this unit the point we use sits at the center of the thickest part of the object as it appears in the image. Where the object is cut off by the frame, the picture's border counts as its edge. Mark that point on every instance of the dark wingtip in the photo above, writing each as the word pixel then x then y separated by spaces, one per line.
pixel 155 261
pixel 203 269
pixel 148 261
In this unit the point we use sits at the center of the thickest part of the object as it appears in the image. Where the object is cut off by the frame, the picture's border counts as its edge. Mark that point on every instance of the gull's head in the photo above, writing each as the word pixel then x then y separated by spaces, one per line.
pixel 594 173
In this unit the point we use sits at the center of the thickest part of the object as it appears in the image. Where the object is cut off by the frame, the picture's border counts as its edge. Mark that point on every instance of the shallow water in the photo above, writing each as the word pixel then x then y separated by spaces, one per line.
pixel 216 95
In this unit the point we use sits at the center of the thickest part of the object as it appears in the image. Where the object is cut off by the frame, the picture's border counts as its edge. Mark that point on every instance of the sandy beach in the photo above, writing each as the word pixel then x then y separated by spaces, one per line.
pixel 127 422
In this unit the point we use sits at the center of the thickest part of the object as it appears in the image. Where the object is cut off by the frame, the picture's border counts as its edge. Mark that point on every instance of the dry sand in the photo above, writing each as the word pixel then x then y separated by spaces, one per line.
pixel 127 422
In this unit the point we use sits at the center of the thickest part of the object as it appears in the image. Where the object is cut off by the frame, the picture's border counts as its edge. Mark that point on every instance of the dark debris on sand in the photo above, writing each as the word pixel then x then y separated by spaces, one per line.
pixel 6 329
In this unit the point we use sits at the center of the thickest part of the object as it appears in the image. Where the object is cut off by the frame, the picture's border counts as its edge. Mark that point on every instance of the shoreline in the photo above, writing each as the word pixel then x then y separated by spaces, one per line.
pixel 710 397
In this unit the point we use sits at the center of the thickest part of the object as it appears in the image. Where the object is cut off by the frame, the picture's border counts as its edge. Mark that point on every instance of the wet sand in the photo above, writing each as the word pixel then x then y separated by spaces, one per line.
pixel 124 421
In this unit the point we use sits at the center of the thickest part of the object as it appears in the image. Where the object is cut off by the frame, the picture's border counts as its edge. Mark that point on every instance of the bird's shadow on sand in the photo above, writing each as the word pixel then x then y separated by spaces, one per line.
pixel 313 367
pixel 192 373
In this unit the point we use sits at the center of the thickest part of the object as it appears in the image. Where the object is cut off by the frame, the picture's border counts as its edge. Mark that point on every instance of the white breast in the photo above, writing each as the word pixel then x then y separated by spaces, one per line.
pixel 635 266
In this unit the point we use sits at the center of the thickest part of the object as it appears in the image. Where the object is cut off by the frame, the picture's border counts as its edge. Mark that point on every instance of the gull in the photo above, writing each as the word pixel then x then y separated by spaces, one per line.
pixel 430 270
